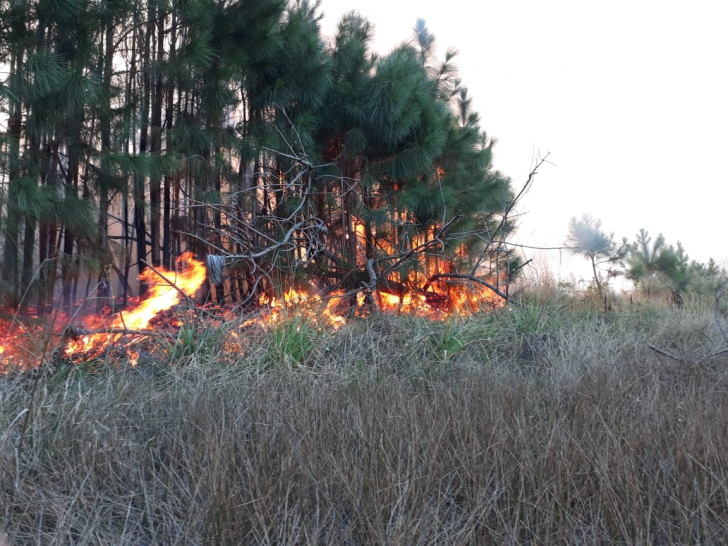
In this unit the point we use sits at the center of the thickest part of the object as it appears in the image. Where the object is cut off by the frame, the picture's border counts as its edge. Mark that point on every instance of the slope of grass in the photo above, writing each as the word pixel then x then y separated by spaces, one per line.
pixel 548 422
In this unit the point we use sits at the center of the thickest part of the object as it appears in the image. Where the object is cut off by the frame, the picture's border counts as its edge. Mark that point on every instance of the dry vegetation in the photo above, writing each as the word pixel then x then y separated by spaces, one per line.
pixel 546 423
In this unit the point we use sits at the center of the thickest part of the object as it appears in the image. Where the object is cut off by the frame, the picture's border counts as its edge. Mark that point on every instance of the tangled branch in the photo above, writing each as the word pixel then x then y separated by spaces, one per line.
pixel 290 231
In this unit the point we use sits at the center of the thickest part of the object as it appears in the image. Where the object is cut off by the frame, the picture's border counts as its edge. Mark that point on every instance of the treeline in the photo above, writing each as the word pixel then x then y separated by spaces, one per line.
pixel 137 129
pixel 653 266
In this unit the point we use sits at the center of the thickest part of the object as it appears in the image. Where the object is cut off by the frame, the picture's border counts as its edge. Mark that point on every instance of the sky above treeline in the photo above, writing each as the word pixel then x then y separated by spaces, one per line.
pixel 630 99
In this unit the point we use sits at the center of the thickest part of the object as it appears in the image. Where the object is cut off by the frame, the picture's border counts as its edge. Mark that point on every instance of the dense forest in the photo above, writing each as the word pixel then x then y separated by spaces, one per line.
pixel 134 130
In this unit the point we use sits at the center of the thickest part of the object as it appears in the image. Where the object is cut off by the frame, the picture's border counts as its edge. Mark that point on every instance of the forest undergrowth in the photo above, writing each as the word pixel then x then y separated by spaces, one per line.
pixel 547 421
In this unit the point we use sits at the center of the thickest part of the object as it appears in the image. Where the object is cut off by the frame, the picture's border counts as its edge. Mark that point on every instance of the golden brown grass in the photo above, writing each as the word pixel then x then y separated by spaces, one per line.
pixel 541 424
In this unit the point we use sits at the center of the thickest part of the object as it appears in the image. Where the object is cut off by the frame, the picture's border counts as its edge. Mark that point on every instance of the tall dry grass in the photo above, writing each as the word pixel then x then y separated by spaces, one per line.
pixel 546 423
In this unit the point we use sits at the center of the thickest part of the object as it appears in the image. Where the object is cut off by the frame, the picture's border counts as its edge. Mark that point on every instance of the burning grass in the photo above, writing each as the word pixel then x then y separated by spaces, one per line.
pixel 168 320
pixel 535 424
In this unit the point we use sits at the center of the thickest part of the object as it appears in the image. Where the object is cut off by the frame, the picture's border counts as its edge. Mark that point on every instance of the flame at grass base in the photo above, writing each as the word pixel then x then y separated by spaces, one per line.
pixel 330 310
pixel 162 296
pixel 319 309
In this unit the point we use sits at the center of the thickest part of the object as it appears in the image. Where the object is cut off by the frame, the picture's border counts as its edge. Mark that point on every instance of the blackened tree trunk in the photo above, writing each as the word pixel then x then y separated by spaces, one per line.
pixel 156 142
pixel 11 249
pixel 139 181
pixel 105 258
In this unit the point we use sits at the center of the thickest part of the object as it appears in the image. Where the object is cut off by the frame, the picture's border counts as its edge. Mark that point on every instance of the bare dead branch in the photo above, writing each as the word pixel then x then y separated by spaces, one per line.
pixel 665 353
pixel 712 355
pixel 122 331
pixel 291 233
pixel 464 276
pixel 169 282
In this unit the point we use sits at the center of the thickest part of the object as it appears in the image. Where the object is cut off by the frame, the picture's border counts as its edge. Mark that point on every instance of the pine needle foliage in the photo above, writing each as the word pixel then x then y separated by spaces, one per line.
pixel 233 128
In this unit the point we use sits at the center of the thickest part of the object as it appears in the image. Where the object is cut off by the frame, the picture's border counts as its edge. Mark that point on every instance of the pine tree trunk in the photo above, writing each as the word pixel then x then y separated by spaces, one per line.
pixel 130 148
pixel 28 254
pixel 168 179
pixel 105 259
pixel 156 147
pixel 68 238
pixel 139 182
pixel 48 252
pixel 27 274
pixel 12 223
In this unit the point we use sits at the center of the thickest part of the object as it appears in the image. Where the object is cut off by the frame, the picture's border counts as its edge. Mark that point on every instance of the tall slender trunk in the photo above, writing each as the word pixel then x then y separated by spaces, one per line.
pixel 130 147
pixel 139 182
pixel 106 260
pixel 46 149
pixel 10 269
pixel 28 255
pixel 156 145
pixel 201 193
pixel 68 237
pixel 597 282
pixel 168 179
pixel 36 170
pixel 217 219
pixel 47 249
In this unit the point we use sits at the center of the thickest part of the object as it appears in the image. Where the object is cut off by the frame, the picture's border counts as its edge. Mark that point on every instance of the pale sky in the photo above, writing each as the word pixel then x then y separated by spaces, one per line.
pixel 629 97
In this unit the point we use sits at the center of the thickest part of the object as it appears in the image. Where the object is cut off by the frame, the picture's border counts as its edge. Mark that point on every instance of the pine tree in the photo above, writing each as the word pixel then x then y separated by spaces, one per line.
pixel 654 265
pixel 138 129
pixel 408 163
pixel 586 237
pixel 15 43
pixel 52 86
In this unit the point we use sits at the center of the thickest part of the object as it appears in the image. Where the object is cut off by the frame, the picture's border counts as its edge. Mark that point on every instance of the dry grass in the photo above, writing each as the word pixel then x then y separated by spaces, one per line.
pixel 542 424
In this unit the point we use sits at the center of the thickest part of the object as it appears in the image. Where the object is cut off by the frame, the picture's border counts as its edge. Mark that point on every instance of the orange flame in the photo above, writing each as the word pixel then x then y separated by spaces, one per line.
pixel 310 305
pixel 165 291
pixel 442 297
pixel 404 295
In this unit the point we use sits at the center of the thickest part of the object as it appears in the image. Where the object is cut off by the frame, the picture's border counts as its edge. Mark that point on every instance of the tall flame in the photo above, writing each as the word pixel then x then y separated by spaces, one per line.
pixel 165 291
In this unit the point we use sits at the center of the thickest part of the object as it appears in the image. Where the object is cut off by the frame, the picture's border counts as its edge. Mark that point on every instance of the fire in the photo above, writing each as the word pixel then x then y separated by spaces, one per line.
pixel 408 304
pixel 402 293
pixel 318 308
pixel 166 289
pixel 20 341
pixel 440 301
pixel 439 298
